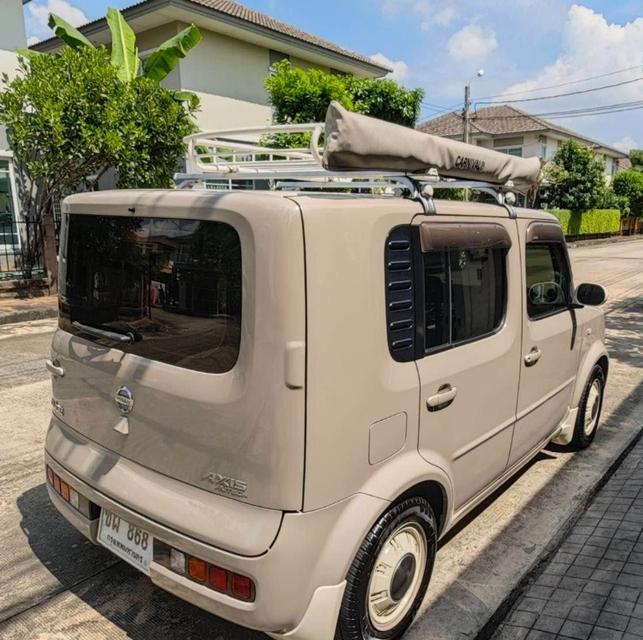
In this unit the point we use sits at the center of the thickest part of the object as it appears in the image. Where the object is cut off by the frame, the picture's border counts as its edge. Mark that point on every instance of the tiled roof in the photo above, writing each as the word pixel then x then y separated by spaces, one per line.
pixel 501 120
pixel 245 14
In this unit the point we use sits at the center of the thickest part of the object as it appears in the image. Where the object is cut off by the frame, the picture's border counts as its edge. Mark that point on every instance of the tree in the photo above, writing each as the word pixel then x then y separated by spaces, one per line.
pixel 70 118
pixel 299 96
pixel 577 178
pixel 636 158
pixel 629 185
pixel 73 115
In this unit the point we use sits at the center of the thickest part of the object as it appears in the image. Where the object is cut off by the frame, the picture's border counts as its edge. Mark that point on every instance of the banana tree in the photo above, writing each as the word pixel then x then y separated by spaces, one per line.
pixel 124 54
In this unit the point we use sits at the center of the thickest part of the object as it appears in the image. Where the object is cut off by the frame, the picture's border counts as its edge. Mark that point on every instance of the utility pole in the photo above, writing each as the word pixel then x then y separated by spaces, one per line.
pixel 465 113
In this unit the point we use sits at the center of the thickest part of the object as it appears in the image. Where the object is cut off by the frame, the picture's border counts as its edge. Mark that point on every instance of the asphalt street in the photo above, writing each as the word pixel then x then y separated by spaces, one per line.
pixel 55 585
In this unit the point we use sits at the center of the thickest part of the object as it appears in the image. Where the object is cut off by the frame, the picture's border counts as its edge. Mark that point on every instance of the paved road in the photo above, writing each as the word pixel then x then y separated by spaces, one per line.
pixel 54 585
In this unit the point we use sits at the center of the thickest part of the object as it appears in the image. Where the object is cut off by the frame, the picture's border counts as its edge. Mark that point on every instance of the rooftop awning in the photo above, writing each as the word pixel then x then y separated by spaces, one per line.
pixel 355 142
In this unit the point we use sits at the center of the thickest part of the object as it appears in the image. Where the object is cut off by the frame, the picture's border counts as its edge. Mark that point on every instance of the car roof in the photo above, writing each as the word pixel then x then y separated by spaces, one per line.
pixel 147 201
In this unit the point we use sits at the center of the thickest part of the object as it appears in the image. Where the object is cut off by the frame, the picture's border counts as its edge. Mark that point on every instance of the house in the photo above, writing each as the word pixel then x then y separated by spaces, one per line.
pixel 12 37
pixel 227 71
pixel 229 67
pixel 514 131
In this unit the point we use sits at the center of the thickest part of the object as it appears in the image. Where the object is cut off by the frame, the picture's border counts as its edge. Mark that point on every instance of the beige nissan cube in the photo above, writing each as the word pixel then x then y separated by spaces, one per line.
pixel 274 401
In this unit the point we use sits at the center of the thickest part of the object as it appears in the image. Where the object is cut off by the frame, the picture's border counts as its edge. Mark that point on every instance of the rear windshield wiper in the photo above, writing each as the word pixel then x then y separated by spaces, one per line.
pixel 124 338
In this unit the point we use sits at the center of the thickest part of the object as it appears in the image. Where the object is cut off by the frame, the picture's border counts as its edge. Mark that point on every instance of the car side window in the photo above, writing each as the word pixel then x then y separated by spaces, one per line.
pixel 548 279
pixel 464 293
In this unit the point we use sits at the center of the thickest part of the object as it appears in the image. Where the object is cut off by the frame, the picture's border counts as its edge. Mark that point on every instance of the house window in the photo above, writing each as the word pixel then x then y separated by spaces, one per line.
pixel 10 240
pixel 6 194
pixel 275 57
pixel 511 151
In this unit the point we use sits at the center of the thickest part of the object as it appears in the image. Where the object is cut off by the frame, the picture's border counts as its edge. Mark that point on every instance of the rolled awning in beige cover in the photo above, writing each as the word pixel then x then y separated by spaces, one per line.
pixel 355 142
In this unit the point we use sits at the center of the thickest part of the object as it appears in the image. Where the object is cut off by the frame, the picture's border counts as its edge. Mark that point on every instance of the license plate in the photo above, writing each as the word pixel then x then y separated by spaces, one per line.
pixel 125 540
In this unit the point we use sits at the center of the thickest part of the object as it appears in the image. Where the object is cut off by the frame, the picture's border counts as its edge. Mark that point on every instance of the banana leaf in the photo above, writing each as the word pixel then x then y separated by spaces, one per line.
pixel 167 56
pixel 124 51
pixel 68 34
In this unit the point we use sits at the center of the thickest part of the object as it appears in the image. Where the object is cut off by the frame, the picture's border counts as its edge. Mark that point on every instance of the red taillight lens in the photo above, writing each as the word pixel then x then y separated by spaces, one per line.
pixel 197 569
pixel 218 578
pixel 214 577
pixel 56 483
pixel 50 475
pixel 242 587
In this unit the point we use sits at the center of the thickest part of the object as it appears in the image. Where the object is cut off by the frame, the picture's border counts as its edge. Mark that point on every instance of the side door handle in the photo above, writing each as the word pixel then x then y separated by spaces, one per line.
pixel 54 369
pixel 533 356
pixel 443 398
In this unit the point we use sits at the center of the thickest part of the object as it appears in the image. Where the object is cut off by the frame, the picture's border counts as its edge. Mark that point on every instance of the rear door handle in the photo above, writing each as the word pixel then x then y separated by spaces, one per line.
pixel 533 356
pixel 54 369
pixel 442 399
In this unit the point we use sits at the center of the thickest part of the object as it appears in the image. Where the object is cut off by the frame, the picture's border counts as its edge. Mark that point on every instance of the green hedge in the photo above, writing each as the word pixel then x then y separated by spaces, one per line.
pixel 593 221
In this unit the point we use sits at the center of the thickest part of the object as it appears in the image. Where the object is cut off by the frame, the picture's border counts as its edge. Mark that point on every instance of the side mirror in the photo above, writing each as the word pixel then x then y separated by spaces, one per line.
pixel 591 294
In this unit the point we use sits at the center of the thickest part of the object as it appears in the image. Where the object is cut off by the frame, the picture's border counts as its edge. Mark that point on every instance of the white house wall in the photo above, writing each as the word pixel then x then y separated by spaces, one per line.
pixel 12 26
pixel 220 112
pixel 224 66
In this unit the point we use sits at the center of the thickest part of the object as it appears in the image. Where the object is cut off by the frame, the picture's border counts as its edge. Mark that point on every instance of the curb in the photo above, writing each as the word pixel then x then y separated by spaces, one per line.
pixel 498 617
pixel 25 315
pixel 601 241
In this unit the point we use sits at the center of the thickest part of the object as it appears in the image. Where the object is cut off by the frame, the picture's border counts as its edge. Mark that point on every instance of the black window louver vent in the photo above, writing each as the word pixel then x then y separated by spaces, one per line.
pixel 400 293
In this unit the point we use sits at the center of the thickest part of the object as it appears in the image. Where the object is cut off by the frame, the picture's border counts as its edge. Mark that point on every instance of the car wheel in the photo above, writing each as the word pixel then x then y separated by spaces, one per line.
pixel 589 409
pixel 390 574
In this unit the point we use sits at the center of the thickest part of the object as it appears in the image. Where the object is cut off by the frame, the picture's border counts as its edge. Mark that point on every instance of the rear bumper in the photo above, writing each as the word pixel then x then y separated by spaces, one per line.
pixel 299 579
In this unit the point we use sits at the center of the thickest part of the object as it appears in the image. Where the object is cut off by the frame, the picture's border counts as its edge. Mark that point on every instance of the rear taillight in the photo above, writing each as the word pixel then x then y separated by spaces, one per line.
pixel 70 495
pixel 209 575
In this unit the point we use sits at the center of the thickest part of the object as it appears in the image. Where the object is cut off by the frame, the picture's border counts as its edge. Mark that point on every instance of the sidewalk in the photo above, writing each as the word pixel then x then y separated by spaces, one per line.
pixel 592 588
pixel 599 241
pixel 25 309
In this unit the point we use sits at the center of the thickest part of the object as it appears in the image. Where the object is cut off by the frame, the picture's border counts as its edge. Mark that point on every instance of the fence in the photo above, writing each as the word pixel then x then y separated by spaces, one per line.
pixel 21 250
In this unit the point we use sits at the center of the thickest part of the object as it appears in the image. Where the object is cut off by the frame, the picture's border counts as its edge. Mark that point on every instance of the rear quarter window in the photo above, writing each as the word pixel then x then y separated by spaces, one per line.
pixel 172 285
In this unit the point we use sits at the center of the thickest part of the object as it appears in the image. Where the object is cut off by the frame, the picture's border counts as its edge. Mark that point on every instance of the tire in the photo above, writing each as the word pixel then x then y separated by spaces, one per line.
pixel 405 569
pixel 589 410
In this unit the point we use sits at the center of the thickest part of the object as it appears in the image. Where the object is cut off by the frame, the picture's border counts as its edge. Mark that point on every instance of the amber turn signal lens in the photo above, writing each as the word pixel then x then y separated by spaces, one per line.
pixel 197 569
pixel 64 490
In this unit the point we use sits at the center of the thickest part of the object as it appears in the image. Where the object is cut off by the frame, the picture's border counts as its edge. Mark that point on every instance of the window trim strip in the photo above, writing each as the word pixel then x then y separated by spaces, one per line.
pixel 439 236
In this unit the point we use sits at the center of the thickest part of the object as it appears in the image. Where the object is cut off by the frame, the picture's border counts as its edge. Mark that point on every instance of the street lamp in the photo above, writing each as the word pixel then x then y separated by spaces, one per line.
pixel 467 105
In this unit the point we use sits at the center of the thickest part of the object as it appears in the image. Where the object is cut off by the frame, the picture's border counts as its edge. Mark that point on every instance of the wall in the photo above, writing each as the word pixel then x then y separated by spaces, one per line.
pixel 148 41
pixel 12 26
pixel 224 66
pixel 12 37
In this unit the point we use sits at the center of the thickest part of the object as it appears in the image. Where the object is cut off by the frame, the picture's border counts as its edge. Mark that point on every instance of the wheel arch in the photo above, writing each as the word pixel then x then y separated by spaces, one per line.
pixel 597 355
pixel 434 493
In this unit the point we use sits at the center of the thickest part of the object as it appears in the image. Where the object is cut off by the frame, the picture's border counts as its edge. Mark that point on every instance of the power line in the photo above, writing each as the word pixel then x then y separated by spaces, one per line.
pixel 562 95
pixel 576 113
pixel 562 113
pixel 563 84
pixel 597 113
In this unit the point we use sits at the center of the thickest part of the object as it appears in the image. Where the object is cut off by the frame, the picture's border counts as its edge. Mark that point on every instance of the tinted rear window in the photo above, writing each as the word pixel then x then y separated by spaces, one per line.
pixel 173 285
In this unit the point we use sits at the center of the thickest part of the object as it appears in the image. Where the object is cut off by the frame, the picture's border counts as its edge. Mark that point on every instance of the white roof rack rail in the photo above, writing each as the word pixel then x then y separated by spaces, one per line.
pixel 226 157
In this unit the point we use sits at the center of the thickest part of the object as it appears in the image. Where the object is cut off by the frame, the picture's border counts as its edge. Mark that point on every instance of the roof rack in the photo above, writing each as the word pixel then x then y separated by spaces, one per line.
pixel 228 156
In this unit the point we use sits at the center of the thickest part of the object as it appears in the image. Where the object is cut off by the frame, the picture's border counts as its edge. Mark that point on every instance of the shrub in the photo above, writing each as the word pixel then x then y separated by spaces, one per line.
pixel 300 96
pixel 629 185
pixel 577 178
pixel 590 222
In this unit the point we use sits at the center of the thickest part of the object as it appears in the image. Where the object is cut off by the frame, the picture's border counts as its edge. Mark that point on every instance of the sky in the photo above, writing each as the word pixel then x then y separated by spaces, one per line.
pixel 527 49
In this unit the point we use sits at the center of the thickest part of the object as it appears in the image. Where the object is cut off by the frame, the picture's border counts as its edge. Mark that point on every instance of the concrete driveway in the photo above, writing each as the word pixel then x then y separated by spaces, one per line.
pixel 55 585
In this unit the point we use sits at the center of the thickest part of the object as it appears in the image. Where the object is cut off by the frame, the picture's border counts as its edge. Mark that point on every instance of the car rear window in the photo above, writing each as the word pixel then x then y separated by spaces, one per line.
pixel 173 286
